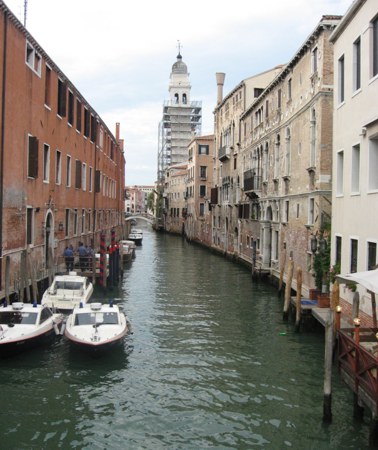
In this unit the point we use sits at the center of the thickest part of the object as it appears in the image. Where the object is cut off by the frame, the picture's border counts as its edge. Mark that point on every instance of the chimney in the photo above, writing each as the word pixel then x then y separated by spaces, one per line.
pixel 220 82
pixel 117 132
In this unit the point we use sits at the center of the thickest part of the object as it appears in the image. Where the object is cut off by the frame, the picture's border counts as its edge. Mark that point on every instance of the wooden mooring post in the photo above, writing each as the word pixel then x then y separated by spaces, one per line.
pixel 298 302
pixel 288 289
pixel 327 395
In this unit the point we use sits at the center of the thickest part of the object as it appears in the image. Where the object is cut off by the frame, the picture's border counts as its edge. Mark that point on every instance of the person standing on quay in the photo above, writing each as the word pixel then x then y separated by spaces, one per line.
pixel 69 258
pixel 82 256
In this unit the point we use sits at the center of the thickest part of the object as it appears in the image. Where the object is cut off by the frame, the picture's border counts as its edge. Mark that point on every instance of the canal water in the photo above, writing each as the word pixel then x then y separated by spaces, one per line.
pixel 210 364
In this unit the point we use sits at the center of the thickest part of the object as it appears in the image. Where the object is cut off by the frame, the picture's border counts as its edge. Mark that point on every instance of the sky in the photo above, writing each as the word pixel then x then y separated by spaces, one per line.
pixel 119 54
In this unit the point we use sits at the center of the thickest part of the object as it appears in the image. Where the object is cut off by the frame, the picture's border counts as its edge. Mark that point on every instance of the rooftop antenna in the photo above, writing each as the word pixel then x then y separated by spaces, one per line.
pixel 25 11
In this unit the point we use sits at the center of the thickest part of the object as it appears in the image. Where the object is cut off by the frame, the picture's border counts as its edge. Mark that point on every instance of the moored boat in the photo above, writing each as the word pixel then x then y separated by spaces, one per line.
pixel 25 325
pixel 136 235
pixel 67 291
pixel 127 250
pixel 96 328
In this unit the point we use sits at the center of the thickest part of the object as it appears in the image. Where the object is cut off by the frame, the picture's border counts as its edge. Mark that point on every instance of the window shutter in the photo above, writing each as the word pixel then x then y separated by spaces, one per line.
pixel 78 175
pixel 33 157
pixel 97 181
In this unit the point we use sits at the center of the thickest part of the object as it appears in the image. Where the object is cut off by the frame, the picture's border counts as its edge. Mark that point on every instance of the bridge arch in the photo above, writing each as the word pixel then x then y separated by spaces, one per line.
pixel 147 218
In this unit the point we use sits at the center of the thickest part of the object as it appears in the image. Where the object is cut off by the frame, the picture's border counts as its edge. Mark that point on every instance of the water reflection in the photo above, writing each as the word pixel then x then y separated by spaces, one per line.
pixel 210 365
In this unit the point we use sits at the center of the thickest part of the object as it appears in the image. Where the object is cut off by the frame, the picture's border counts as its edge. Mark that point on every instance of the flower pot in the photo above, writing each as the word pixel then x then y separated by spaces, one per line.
pixel 313 294
pixel 324 300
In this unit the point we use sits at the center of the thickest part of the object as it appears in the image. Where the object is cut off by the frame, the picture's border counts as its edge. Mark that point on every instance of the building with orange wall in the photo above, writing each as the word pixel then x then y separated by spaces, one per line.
pixel 61 168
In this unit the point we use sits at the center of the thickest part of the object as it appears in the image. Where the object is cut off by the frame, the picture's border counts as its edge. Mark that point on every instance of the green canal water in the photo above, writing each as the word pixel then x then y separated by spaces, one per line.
pixel 210 364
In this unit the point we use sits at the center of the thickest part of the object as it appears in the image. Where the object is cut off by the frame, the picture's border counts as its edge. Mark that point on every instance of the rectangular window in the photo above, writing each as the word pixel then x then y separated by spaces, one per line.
pixel 93 128
pixel 286 211
pixel 62 98
pixel 340 173
pixel 83 220
pixel 202 209
pixel 71 103
pixel 68 171
pixel 353 255
pixel 279 98
pixel 78 115
pixel 373 165
pixel 375 46
pixel 203 149
pixel 32 157
pixel 314 60
pixel 202 191
pixel 84 177
pixel 67 224
pixel 75 222
pixel 29 225
pixel 311 211
pixel 58 167
pixel 203 172
pixel 341 79
pixel 355 185
pixel 98 181
pixel 289 92
pixel 78 173
pixel 48 86
pixel 87 122
pixel 338 250
pixel 357 64
pixel 46 163
pixel 90 179
pixel 372 255
pixel 33 58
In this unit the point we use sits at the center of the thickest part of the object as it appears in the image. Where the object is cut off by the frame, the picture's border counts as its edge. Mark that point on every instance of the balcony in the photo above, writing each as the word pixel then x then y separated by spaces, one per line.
pixel 252 182
pixel 224 153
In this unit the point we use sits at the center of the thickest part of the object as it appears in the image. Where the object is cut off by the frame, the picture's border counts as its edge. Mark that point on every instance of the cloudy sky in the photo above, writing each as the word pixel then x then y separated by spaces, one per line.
pixel 119 54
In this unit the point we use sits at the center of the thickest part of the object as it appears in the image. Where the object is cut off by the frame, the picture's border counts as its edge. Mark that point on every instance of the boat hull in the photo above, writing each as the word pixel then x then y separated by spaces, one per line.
pixel 10 348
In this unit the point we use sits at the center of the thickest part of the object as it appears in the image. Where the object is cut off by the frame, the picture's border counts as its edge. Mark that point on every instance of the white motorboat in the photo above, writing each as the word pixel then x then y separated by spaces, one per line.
pixel 96 327
pixel 127 250
pixel 136 235
pixel 25 325
pixel 67 291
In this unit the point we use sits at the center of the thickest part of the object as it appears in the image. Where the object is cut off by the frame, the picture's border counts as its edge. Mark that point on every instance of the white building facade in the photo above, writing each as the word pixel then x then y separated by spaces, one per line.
pixel 355 145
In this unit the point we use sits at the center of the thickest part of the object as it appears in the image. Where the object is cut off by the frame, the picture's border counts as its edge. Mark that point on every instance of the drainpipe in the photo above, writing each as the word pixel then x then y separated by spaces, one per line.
pixel 2 135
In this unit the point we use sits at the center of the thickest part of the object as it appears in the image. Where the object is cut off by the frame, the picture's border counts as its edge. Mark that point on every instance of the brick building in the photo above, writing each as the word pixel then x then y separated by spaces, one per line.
pixel 61 168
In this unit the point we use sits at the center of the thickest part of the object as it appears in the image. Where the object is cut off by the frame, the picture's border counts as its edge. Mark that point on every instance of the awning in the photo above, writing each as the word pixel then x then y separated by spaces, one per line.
pixel 367 279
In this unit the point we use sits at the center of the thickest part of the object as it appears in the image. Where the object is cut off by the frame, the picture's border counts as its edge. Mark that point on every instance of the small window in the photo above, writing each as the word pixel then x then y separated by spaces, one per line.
pixel 62 98
pixel 202 190
pixel 375 46
pixel 372 255
pixel 87 122
pixel 58 167
pixel 71 104
pixel 90 179
pixel 203 149
pixel 373 165
pixel 29 226
pixel 289 91
pixel 68 171
pixel 353 255
pixel 340 173
pixel 32 157
pixel 202 209
pixel 357 64
pixel 84 177
pixel 33 58
pixel 341 79
pixel 78 115
pixel 355 169
pixel 67 224
pixel 46 163
pixel 48 86
pixel 78 173
pixel 314 60
pixel 311 211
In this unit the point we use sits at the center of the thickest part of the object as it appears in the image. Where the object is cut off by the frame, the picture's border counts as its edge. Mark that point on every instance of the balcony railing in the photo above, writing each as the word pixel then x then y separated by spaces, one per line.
pixel 224 153
pixel 252 182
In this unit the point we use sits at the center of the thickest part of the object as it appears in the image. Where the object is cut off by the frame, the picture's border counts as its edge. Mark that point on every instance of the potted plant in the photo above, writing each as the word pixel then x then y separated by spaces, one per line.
pixel 321 268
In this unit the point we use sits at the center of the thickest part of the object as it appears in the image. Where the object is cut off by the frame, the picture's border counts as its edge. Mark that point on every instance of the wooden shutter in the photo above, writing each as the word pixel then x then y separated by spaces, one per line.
pixel 33 157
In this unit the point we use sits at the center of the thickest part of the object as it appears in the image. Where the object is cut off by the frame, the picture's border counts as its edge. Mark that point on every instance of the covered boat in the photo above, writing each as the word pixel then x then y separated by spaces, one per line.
pixel 25 325
pixel 127 250
pixel 96 327
pixel 67 291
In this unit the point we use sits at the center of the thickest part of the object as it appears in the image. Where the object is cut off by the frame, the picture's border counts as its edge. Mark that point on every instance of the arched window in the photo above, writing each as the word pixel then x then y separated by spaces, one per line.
pixel 184 99
pixel 277 156
pixel 176 99
pixel 313 138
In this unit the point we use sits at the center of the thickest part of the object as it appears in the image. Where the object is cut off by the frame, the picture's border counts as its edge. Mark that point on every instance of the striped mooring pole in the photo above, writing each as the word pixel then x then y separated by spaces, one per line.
pixel 102 258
